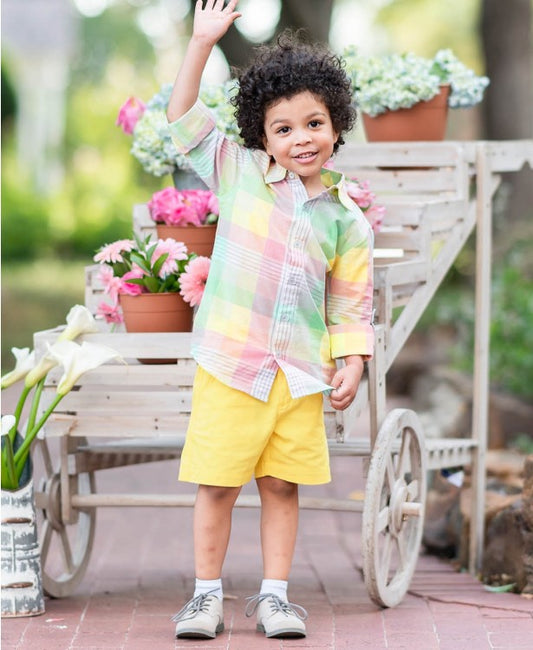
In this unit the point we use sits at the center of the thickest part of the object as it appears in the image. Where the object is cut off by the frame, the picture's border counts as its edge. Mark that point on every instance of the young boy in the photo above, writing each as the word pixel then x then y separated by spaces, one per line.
pixel 289 291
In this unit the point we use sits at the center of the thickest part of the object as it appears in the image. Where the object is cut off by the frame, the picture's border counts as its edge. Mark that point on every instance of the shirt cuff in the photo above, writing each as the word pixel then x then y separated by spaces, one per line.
pixel 349 339
pixel 191 128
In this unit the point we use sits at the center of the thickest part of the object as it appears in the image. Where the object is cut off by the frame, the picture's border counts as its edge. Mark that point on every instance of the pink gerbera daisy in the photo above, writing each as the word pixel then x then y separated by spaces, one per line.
pixel 192 281
pixel 111 253
pixel 111 313
pixel 176 251
pixel 110 282
pixel 130 288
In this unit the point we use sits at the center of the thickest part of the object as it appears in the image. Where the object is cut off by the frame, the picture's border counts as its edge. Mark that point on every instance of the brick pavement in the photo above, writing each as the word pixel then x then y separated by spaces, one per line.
pixel 140 573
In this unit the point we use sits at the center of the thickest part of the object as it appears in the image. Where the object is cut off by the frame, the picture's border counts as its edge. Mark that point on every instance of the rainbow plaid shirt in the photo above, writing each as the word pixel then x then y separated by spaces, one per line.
pixel 290 283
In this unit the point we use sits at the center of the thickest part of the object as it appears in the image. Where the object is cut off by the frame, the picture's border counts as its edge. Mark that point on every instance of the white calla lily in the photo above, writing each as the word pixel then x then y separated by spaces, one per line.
pixel 24 362
pixel 41 369
pixel 8 422
pixel 79 321
pixel 78 359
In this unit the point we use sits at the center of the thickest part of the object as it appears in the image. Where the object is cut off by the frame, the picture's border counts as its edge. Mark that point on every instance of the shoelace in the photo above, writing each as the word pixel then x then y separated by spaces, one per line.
pixel 195 605
pixel 276 605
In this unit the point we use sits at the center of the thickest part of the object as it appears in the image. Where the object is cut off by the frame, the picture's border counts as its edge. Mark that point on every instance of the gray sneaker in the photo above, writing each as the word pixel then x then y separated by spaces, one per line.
pixel 201 618
pixel 275 617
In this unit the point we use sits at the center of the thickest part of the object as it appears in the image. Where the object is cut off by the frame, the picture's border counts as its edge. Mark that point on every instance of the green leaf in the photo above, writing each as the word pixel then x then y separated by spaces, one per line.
pixel 140 261
pixel 500 588
pixel 151 284
pixel 139 281
pixel 159 263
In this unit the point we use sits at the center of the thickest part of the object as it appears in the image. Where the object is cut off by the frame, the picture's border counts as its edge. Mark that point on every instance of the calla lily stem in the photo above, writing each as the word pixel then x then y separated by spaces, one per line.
pixel 18 413
pixel 23 451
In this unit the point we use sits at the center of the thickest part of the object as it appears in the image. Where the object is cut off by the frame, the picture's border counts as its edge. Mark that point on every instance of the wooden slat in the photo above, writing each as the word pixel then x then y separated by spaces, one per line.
pixel 134 374
pixel 128 425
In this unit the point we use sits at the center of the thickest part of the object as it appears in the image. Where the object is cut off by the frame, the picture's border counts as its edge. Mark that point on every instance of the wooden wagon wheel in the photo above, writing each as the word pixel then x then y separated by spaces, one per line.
pixel 393 513
pixel 65 545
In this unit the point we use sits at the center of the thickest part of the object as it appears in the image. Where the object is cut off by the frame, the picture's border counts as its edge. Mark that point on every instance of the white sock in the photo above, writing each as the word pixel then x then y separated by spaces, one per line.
pixel 205 586
pixel 276 587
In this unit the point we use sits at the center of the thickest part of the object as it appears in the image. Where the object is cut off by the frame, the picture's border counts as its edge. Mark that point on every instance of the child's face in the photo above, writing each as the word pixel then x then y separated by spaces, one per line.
pixel 300 136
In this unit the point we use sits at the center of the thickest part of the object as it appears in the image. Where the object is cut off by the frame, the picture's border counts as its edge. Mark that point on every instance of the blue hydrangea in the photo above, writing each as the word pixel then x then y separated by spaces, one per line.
pixel 152 145
pixel 395 81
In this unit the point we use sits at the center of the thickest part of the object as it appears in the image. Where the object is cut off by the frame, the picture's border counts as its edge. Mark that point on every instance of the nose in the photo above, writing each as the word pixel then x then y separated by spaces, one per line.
pixel 302 136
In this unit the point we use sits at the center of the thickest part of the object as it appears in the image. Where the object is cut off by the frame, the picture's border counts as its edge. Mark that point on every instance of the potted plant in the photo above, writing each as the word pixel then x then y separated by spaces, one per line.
pixel 22 593
pixel 152 283
pixel 385 87
pixel 174 211
pixel 152 145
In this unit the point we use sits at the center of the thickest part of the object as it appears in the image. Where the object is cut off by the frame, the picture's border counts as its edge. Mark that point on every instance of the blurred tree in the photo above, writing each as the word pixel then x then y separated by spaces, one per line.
pixel 314 16
pixel 507 44
pixel 9 99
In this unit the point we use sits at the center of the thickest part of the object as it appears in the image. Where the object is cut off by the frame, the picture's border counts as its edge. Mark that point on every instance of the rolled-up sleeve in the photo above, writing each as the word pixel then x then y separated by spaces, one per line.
pixel 349 302
pixel 213 156
pixel 191 128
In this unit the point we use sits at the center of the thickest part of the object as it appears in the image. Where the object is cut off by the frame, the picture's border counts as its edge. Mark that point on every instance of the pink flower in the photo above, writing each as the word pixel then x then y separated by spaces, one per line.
pixel 375 214
pixel 212 204
pixel 111 253
pixel 130 288
pixel 193 279
pixel 180 208
pixel 176 251
pixel 360 193
pixel 112 284
pixel 111 313
pixel 129 114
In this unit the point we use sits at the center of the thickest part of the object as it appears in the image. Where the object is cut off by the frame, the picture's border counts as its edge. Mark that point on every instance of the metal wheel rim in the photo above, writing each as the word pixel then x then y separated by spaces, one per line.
pixel 71 541
pixel 396 482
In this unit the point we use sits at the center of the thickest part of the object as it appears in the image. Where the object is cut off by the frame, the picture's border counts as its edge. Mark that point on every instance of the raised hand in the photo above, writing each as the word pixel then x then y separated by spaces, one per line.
pixel 213 21
pixel 210 24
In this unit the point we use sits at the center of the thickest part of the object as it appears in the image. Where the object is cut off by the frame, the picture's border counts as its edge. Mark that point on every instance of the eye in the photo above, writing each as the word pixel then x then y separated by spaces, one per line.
pixel 283 130
pixel 314 124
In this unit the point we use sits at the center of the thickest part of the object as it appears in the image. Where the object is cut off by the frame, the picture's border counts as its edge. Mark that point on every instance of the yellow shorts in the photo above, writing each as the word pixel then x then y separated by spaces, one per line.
pixel 233 436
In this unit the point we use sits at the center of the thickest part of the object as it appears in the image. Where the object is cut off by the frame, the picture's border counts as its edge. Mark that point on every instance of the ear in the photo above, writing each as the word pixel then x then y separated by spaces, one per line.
pixel 266 145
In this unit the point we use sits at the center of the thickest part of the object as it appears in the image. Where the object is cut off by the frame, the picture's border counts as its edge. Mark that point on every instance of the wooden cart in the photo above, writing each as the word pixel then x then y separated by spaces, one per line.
pixel 435 193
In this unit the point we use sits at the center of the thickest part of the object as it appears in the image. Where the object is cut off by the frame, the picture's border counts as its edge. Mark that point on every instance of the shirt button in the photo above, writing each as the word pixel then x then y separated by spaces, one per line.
pixel 297 243
pixel 284 317
pixel 291 175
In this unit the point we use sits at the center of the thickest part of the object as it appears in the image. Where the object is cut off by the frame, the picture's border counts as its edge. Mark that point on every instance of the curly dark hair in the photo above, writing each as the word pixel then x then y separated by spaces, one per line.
pixel 284 70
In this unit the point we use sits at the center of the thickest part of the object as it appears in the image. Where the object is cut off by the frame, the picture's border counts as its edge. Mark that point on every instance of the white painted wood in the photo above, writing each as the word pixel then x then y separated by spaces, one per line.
pixel 134 412
pixel 69 542
pixel 393 513
pixel 480 406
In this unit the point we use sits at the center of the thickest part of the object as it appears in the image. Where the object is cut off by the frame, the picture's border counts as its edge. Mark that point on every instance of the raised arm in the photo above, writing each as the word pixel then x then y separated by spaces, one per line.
pixel 210 24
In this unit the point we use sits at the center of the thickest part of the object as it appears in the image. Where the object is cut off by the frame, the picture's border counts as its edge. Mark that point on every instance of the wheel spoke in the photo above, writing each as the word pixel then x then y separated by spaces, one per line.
pixel 404 455
pixel 40 499
pixel 46 537
pixel 402 551
pixel 383 519
pixel 385 559
pixel 47 459
pixel 413 489
pixel 67 552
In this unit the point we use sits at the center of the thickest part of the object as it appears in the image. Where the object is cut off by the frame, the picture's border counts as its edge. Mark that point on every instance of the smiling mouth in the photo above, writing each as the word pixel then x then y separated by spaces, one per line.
pixel 306 155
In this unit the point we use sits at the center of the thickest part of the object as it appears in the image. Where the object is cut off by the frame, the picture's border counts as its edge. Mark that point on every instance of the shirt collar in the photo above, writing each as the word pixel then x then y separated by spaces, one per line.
pixel 334 181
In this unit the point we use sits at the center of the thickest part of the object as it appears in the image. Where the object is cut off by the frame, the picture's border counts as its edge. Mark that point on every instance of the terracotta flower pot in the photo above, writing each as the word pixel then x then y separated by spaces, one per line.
pixel 198 239
pixel 423 121
pixel 156 312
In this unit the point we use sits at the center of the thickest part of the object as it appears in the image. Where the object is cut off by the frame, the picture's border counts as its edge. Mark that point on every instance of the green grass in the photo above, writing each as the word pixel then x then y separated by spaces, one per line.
pixel 35 296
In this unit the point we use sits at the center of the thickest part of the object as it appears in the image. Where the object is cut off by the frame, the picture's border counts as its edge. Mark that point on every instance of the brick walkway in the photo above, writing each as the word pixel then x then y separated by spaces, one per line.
pixel 140 573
